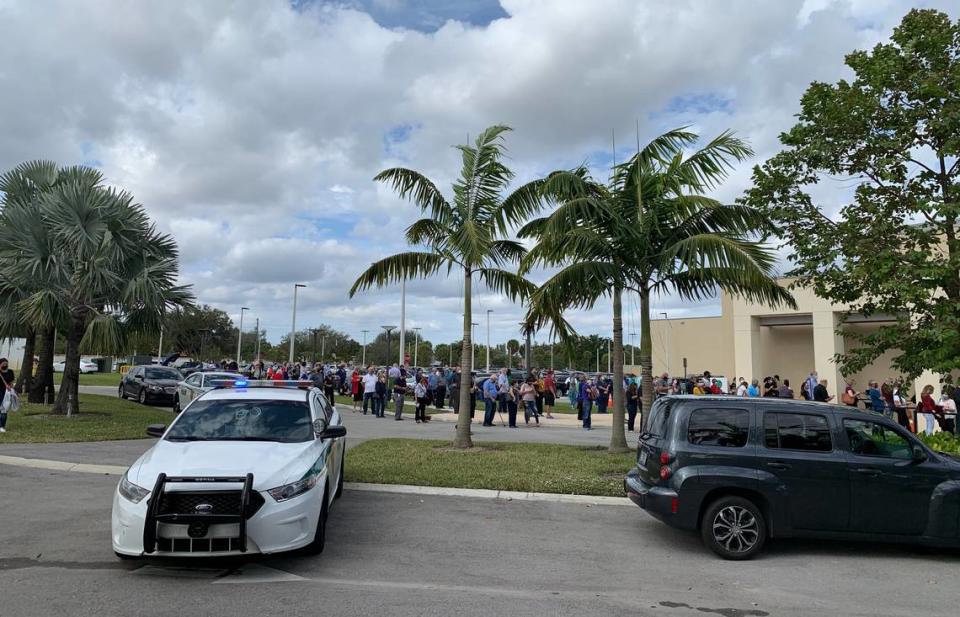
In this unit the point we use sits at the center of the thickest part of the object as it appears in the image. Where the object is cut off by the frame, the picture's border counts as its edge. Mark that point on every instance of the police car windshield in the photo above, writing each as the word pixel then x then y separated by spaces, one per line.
pixel 244 420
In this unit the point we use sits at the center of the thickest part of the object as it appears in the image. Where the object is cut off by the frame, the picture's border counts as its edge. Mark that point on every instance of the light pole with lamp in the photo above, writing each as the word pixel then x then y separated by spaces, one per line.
pixel 488 340
pixel 668 343
pixel 388 329
pixel 293 323
pixel 633 347
pixel 364 361
pixel 403 319
pixel 258 340
pixel 416 344
pixel 240 334
pixel 473 348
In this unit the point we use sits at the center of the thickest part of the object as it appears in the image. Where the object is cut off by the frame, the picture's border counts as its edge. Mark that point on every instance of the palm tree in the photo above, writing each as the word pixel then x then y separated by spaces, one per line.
pixel 23 187
pixel 467 235
pixel 112 272
pixel 652 230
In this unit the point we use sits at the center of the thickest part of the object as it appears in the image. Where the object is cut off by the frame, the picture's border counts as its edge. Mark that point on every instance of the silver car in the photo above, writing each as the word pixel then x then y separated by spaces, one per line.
pixel 195 385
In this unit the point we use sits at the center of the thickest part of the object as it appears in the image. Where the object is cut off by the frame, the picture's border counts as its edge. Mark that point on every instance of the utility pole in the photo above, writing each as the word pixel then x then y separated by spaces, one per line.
pixel 315 330
pixel 451 354
pixel 416 344
pixel 668 344
pixel 258 339
pixel 240 333
pixel 159 347
pixel 473 348
pixel 293 323
pixel 364 361
pixel 633 347
pixel 323 347
pixel 528 355
pixel 609 358
pixel 552 343
pixel 488 340
pixel 598 359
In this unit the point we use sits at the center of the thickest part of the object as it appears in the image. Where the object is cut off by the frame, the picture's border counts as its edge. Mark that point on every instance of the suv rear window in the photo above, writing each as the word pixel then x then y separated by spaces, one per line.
pixel 796 431
pixel 725 428
pixel 659 414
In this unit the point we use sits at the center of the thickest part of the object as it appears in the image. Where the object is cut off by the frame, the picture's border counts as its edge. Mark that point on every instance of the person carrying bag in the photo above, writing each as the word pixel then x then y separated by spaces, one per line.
pixel 9 401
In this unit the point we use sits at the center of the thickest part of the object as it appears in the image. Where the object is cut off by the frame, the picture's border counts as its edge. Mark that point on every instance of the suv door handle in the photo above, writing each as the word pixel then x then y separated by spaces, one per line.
pixel 868 471
pixel 780 466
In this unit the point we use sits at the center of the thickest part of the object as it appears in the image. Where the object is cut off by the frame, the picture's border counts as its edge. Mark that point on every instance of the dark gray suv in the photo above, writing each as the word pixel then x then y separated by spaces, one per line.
pixel 742 470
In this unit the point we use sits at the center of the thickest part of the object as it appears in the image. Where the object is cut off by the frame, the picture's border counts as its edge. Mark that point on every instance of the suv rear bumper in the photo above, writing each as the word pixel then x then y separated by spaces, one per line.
pixel 660 501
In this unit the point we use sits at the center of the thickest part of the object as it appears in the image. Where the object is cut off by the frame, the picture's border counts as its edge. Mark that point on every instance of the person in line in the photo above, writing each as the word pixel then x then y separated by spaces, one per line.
pixel 541 395
pixel 785 391
pixel 330 387
pixel 399 393
pixel 503 389
pixel 528 394
pixel 948 407
pixel 899 406
pixel 394 371
pixel 662 386
pixel 358 390
pixel 820 393
pixel 473 392
pixel 876 397
pixel 770 388
pixel 6 391
pixel 742 388
pixel 573 393
pixel 753 390
pixel 421 394
pixel 433 380
pixel 926 409
pixel 633 401
pixel 603 395
pixel 368 389
pixel 491 394
pixel 380 395
pixel 850 394
pixel 590 395
pixel 454 392
pixel 549 394
pixel 812 383
pixel 440 394
pixel 513 400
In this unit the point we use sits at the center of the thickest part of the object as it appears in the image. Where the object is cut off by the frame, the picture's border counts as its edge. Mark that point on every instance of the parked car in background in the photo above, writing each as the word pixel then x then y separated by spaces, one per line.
pixel 86 366
pixel 196 384
pixel 150 384
pixel 190 367
pixel 741 471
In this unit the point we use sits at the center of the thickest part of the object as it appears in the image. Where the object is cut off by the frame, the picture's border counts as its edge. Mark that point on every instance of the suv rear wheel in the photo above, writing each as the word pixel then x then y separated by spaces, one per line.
pixel 734 528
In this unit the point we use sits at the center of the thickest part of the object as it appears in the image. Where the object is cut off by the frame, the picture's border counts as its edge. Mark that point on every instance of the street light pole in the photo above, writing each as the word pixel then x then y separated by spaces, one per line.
pixel 668 345
pixel 258 339
pixel 403 319
pixel 488 339
pixel 160 346
pixel 633 347
pixel 293 323
pixel 473 348
pixel 364 361
pixel 240 333
pixel 609 358
pixel 388 329
pixel 416 344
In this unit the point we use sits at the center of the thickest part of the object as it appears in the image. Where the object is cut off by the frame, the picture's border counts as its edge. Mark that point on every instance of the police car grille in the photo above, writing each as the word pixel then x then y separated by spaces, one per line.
pixel 223 502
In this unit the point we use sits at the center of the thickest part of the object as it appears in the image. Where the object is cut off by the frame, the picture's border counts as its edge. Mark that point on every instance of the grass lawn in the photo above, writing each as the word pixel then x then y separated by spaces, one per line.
pixel 529 467
pixel 93 379
pixel 102 418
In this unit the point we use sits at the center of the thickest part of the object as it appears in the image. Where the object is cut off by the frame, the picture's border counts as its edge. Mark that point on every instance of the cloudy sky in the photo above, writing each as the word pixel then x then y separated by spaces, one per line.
pixel 251 130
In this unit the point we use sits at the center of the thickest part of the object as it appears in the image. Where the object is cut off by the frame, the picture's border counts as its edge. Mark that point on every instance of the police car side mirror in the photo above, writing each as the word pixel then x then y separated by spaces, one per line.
pixel 334 432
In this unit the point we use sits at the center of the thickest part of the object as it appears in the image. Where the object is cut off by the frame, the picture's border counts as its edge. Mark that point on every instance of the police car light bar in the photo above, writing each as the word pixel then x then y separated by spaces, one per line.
pixel 261 383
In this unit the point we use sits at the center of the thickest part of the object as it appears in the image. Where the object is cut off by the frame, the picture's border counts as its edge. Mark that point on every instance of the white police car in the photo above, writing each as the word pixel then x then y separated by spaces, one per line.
pixel 249 467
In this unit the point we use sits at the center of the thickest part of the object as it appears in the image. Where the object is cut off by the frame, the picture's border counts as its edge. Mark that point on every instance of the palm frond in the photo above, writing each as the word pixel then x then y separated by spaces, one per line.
pixel 509 284
pixel 418 189
pixel 393 269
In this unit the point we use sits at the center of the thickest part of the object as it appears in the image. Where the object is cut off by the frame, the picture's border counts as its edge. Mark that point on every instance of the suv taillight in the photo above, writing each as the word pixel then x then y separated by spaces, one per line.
pixel 665 458
pixel 665 473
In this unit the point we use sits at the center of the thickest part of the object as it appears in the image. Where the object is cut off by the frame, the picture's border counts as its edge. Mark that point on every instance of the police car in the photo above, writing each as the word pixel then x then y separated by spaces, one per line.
pixel 248 467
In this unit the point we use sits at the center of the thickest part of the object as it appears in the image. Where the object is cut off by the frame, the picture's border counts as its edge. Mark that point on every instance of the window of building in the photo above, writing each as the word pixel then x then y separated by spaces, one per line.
pixel 725 428
pixel 797 431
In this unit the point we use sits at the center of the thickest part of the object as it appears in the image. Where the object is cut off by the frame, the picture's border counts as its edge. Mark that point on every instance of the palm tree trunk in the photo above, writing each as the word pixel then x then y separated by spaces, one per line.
pixel 42 390
pixel 646 355
pixel 462 438
pixel 618 437
pixel 25 379
pixel 67 401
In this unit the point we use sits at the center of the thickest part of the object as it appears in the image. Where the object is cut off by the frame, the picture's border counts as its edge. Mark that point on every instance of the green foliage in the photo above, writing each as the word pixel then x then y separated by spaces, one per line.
pixel 490 465
pixel 942 442
pixel 893 135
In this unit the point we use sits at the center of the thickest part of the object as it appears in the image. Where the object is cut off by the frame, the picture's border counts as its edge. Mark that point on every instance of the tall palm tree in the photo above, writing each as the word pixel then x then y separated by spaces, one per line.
pixel 467 235
pixel 112 272
pixel 651 230
pixel 23 188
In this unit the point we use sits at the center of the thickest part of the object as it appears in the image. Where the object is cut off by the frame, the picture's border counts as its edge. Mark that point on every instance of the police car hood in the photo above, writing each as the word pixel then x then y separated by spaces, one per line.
pixel 272 463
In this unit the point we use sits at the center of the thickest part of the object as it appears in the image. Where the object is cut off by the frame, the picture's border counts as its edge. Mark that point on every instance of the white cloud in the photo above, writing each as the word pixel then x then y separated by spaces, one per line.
pixel 252 131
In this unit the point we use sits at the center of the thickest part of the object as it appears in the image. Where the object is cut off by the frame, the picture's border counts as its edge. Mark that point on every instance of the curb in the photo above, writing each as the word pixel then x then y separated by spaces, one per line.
pixel 406 489
pixel 403 489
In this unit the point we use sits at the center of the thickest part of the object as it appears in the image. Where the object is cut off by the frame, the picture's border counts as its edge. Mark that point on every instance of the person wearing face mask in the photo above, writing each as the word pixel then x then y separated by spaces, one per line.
pixel 6 391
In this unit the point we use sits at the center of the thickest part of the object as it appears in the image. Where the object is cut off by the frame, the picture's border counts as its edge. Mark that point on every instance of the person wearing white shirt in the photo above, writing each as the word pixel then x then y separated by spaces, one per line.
pixel 369 388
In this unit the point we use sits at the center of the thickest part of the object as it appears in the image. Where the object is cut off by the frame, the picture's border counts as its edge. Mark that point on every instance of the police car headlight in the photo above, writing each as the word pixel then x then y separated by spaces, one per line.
pixel 289 491
pixel 130 491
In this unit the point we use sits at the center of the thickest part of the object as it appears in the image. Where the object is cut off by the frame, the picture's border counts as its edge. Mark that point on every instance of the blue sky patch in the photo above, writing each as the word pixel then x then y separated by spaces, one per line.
pixel 421 15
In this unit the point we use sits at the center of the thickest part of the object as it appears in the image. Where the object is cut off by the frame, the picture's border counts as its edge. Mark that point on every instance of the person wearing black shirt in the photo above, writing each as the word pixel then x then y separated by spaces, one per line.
pixel 330 386
pixel 820 392
pixel 8 380
pixel 399 392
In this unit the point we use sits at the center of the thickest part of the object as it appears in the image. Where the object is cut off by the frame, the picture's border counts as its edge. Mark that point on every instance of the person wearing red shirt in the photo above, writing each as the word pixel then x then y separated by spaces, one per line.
pixel 927 407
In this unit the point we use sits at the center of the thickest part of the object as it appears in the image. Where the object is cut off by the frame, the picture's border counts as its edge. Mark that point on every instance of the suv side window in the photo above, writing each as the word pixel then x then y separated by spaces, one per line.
pixel 797 431
pixel 874 439
pixel 659 415
pixel 725 428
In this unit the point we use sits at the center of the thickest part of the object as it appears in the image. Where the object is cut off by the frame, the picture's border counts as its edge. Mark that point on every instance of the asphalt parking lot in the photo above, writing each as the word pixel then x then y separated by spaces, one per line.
pixel 390 554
